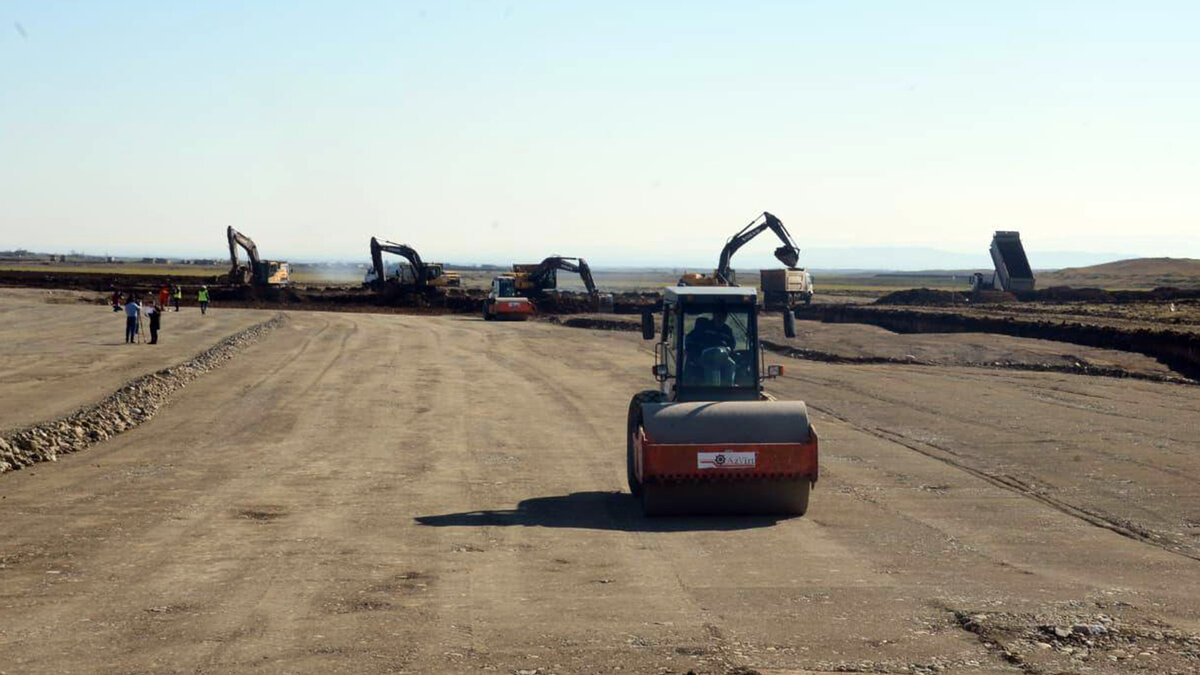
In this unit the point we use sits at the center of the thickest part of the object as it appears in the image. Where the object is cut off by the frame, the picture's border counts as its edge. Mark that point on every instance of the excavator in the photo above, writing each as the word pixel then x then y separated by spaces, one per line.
pixel 423 274
pixel 258 272
pixel 532 280
pixel 781 288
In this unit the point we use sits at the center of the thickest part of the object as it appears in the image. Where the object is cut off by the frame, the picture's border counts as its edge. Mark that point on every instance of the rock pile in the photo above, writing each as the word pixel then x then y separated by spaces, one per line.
pixel 135 402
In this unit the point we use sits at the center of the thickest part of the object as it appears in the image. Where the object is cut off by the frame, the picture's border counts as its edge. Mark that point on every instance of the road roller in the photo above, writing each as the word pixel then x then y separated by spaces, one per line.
pixel 710 440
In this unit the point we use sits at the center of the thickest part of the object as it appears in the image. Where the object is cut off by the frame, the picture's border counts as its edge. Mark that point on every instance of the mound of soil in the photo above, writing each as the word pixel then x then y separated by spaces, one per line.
pixel 922 296
pixel 1101 296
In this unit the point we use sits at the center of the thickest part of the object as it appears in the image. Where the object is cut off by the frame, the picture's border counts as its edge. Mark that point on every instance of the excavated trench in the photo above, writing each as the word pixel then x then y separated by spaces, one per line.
pixel 1178 350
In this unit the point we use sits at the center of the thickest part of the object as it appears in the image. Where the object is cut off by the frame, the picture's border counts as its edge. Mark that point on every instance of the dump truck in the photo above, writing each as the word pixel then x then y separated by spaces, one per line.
pixel 709 439
pixel 504 302
pixel 1013 273
pixel 257 272
pixel 786 288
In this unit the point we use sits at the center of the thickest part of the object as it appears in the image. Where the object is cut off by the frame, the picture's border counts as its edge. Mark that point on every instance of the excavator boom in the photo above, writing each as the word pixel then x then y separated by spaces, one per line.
pixel 378 248
pixel 541 276
pixel 237 239
pixel 788 253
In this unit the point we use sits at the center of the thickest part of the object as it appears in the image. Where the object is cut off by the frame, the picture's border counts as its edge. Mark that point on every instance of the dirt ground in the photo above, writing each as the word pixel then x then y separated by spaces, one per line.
pixel 858 342
pixel 62 352
pixel 393 493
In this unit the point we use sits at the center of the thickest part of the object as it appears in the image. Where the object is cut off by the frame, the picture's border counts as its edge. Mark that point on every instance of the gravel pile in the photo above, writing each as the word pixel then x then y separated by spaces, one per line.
pixel 129 406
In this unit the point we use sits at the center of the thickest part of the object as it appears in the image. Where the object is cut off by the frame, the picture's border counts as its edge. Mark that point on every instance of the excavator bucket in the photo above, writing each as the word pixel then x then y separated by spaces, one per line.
pixel 726 457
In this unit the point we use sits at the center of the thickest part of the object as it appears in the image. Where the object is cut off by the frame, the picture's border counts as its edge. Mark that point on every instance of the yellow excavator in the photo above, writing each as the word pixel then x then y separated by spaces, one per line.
pixel 511 292
pixel 532 280
pixel 421 274
pixel 258 272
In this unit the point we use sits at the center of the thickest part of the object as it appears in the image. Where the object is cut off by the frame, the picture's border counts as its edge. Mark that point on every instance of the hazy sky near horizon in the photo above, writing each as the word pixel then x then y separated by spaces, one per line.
pixel 624 132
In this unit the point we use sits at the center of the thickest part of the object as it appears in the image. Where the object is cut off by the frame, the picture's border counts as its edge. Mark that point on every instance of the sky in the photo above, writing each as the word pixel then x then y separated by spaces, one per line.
pixel 624 132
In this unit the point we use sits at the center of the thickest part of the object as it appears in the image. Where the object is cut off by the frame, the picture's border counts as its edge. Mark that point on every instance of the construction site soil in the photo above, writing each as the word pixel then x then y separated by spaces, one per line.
pixel 1163 324
pixel 356 492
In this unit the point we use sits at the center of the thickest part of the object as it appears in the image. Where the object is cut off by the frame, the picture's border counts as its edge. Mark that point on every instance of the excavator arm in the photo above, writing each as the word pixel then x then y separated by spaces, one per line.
pixel 788 253
pixel 237 239
pixel 553 263
pixel 409 253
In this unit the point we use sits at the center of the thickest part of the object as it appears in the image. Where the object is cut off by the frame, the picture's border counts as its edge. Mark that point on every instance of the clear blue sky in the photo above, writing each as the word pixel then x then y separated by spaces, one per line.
pixel 625 132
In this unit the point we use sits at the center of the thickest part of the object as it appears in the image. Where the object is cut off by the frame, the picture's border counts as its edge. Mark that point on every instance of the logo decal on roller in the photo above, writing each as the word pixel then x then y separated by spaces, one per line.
pixel 726 460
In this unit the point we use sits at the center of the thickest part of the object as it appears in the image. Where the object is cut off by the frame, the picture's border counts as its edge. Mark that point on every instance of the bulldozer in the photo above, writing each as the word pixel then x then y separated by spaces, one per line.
pixel 710 440
pixel 258 272
pixel 782 289
pixel 423 275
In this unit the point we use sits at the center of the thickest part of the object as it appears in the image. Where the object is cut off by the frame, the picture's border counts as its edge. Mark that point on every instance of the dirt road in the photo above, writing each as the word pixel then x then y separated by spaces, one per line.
pixel 385 493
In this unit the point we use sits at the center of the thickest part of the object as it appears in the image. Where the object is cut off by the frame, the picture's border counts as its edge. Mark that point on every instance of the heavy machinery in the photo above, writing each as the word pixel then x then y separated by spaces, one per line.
pixel 258 272
pixel 709 439
pixel 532 280
pixel 786 288
pixel 504 302
pixel 781 288
pixel 1013 273
pixel 423 274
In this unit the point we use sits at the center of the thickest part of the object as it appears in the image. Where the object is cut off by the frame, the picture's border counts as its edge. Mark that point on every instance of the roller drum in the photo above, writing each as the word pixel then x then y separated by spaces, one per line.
pixel 726 422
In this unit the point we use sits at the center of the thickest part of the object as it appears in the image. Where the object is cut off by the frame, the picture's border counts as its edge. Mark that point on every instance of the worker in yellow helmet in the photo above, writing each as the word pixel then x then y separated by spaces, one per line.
pixel 202 296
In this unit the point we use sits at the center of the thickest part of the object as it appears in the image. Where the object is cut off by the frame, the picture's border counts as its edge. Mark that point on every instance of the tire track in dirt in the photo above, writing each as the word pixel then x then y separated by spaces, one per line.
pixel 1124 528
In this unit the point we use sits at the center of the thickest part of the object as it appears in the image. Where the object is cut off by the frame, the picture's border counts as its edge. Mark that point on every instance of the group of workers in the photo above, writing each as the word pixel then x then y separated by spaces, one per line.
pixel 152 309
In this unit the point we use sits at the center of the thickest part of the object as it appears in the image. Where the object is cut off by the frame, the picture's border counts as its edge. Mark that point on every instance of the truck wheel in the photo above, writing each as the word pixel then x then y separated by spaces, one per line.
pixel 487 315
pixel 633 426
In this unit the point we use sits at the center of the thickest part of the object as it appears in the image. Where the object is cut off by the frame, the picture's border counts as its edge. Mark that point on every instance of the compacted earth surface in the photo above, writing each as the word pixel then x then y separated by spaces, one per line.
pixel 399 493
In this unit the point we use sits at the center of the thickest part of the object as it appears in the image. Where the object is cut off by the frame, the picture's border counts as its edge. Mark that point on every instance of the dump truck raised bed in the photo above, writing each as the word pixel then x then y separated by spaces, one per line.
pixel 1013 273
pixel 709 440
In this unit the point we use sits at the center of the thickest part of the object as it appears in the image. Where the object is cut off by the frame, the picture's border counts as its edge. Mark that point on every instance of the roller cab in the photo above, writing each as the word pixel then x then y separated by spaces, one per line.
pixel 710 440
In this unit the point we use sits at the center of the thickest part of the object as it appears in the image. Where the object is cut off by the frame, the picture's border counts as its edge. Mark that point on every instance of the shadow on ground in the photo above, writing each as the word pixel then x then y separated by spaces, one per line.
pixel 592 511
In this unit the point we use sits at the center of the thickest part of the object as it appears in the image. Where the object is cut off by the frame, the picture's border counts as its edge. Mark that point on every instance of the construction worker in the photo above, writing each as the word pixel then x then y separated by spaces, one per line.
pixel 202 296
pixel 154 313
pixel 177 296
pixel 164 294
pixel 132 310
